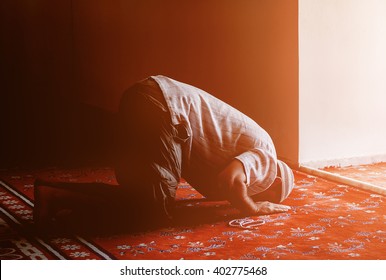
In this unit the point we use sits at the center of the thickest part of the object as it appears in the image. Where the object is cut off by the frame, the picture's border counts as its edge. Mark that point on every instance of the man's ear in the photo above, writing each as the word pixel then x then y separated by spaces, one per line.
pixel 272 194
pixel 233 172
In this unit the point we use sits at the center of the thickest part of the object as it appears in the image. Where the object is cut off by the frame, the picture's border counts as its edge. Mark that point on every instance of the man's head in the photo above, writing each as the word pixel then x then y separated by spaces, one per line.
pixel 287 178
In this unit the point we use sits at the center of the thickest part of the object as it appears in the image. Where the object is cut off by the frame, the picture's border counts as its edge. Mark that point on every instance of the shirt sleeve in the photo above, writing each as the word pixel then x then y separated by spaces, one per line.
pixel 260 169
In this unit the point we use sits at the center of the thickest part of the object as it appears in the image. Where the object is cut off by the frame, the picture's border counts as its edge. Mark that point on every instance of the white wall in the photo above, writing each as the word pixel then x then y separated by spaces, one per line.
pixel 342 82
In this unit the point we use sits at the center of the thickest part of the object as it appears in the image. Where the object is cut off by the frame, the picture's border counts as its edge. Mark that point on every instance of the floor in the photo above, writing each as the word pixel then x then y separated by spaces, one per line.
pixel 327 221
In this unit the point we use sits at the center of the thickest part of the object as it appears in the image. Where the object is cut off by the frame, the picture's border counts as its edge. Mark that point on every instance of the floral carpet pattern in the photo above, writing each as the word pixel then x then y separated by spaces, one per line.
pixel 370 173
pixel 327 221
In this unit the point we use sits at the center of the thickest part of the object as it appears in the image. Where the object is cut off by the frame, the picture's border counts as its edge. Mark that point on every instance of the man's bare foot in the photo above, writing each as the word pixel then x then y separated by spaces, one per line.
pixel 41 200
pixel 47 203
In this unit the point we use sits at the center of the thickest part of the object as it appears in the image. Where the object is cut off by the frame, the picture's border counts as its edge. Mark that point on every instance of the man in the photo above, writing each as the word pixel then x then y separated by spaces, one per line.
pixel 170 130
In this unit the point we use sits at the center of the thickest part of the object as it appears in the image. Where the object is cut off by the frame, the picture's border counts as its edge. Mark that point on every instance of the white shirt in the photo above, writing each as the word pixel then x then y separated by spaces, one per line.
pixel 218 133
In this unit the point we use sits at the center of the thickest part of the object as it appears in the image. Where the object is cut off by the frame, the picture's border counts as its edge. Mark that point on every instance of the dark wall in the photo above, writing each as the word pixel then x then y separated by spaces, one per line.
pixel 65 64
pixel 42 119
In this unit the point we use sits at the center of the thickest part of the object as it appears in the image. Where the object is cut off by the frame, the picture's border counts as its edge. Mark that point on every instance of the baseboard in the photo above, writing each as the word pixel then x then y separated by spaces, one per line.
pixel 345 161
pixel 343 180
pixel 312 168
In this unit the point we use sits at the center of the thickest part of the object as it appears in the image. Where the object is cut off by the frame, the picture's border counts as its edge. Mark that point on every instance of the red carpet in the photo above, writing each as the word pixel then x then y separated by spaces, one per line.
pixel 327 221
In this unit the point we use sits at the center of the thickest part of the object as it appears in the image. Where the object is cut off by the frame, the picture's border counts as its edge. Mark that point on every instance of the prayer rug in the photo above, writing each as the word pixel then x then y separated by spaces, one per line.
pixel 327 221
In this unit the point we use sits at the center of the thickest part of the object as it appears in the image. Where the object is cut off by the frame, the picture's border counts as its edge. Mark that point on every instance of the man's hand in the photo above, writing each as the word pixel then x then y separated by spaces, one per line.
pixel 266 208
pixel 232 181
